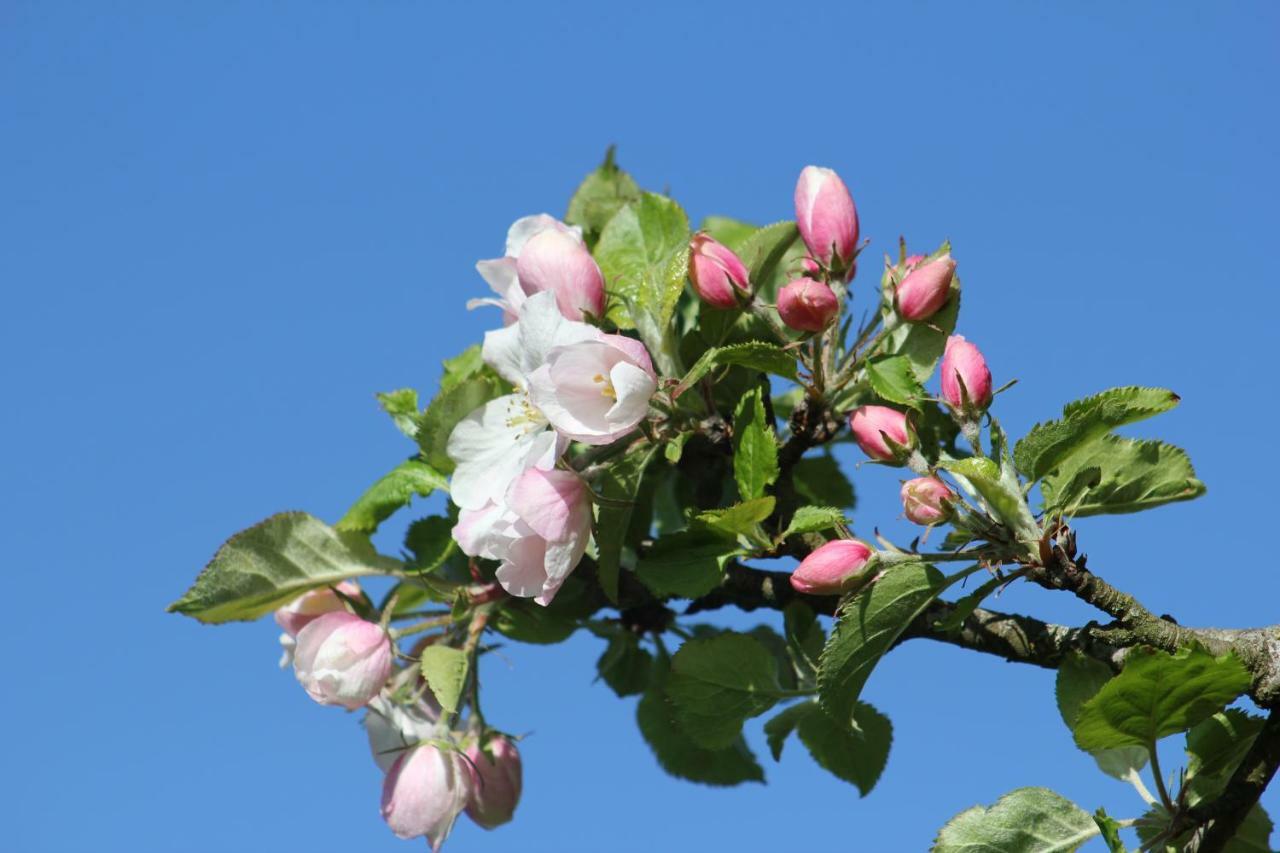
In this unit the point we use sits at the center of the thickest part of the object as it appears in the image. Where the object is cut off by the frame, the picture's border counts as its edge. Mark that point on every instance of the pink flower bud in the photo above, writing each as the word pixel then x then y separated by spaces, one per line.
pixel 807 305
pixel 342 660
pixel 304 609
pixel 424 792
pixel 497 781
pixel 826 217
pixel 965 375
pixel 926 289
pixel 716 272
pixel 559 262
pixel 875 426
pixel 927 500
pixel 836 567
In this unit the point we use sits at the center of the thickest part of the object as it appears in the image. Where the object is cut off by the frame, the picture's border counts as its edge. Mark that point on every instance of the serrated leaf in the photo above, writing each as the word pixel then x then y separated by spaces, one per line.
pixel 740 519
pixel 402 406
pixel 1000 491
pixel 856 753
pixel 731 232
pixel 635 254
pixel 1215 748
pixel 462 366
pixel 1051 443
pixel 1158 694
pixel 680 755
pixel 813 519
pixel 805 637
pixel 755 448
pixel 819 480
pixel 624 666
pixel 687 564
pixel 430 541
pixel 772 256
pixel 1110 831
pixel 893 378
pixel 620 485
pixel 1026 820
pixel 717 683
pixel 768 358
pixel 393 491
pixel 444 412
pixel 1115 475
pixel 1079 679
pixel 445 670
pixel 780 726
pixel 868 623
pixel 600 195
pixel 274 562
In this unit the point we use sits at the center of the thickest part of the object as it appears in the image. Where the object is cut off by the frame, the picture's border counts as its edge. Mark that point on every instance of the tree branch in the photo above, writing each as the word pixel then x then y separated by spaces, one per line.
pixel 1221 817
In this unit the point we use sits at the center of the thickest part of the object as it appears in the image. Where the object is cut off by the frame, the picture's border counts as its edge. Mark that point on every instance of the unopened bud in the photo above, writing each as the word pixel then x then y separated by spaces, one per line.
pixel 558 261
pixel 883 434
pixel 425 790
pixel 807 305
pixel 835 568
pixel 309 606
pixel 925 289
pixel 498 780
pixel 342 660
pixel 716 272
pixel 927 500
pixel 827 219
pixel 966 379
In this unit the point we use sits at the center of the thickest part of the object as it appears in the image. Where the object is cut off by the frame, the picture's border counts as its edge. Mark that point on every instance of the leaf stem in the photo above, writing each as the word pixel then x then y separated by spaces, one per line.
pixel 1155 771
pixel 419 627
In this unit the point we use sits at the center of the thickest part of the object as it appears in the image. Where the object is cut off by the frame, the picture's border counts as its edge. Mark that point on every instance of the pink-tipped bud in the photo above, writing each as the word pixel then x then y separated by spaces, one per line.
pixel 927 500
pixel 424 792
pixel 807 305
pixel 558 261
pixel 342 660
pixel 966 379
pixel 498 780
pixel 306 608
pixel 882 433
pixel 837 567
pixel 716 272
pixel 925 289
pixel 826 217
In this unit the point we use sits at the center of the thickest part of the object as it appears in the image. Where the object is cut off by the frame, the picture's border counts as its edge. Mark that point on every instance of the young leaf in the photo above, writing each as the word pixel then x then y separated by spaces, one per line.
pixel 719 682
pixel 402 406
pixel 430 541
pixel 1117 475
pixel 462 366
pixel 393 491
pixel 813 519
pixel 740 519
pixel 445 669
pixel 1001 492
pixel 680 755
pixel 620 484
pixel 635 254
pixel 600 195
pixel 1079 680
pixel 755 456
pixel 1110 831
pixel 1026 820
pixel 274 562
pixel 1158 694
pixel 451 405
pixel 893 378
pixel 867 625
pixel 1051 443
pixel 687 564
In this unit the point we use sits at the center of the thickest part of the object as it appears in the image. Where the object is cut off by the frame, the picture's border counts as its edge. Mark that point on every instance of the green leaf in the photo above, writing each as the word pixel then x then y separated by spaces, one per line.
pixel 445 669
pixel 1158 694
pixel 768 358
pixel 1215 748
pixel 462 366
pixel 687 564
pixel 1026 820
pixel 856 753
pixel 923 343
pixel 805 637
pixel 1253 836
pixel 600 195
pixel 1001 492
pixel 393 491
pixel 1079 680
pixel 620 485
pixel 1116 475
pixel 772 256
pixel 733 233
pixel 717 683
pixel 680 755
pixel 755 449
pixel 525 621
pixel 813 519
pixel 1050 444
pixel 740 519
pixel 430 541
pixel 451 405
pixel 893 378
pixel 402 406
pixel 624 666
pixel 1110 831
pixel 781 725
pixel 819 480
pixel 867 625
pixel 965 606
pixel 274 562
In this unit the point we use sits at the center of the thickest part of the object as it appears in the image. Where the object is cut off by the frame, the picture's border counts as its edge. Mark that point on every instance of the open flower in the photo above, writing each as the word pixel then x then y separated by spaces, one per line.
pixel 595 391
pixel 538 533
pixel 557 260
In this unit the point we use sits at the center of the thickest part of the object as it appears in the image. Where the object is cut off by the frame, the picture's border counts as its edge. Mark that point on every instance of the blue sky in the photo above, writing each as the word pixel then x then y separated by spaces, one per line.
pixel 227 224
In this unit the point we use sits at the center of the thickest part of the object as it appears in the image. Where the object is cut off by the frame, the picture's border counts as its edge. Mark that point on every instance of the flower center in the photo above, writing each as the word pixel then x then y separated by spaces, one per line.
pixel 523 414
pixel 607 389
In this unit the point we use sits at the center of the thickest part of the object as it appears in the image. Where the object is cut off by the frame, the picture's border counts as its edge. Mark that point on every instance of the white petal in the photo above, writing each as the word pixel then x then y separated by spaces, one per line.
pixel 633 388
pixel 492 446
pixel 523 573
pixel 526 227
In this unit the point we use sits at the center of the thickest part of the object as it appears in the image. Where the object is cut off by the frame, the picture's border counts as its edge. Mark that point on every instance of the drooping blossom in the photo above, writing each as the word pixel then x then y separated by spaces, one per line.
pixel 342 659
pixel 538 532
pixel 424 791
pixel 559 262
pixel 498 774
pixel 837 567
